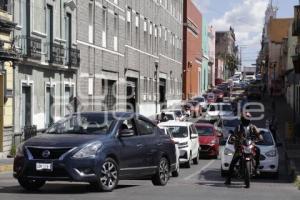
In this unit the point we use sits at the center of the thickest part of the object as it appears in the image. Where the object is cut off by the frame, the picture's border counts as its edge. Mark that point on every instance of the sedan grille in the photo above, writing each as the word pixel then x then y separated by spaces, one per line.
pixel 205 147
pixel 44 153
pixel 262 157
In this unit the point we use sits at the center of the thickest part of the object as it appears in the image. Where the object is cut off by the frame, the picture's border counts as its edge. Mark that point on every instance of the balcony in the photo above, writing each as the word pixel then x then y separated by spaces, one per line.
pixel 7 52
pixel 29 47
pixel 57 54
pixel 296 23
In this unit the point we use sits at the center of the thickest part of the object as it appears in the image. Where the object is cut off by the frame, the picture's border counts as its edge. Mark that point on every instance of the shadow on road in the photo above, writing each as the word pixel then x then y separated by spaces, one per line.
pixel 57 189
pixel 213 178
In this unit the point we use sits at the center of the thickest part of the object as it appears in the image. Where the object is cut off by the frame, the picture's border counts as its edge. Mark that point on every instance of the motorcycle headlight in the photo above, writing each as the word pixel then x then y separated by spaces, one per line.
pixel 20 150
pixel 228 152
pixel 271 153
pixel 89 151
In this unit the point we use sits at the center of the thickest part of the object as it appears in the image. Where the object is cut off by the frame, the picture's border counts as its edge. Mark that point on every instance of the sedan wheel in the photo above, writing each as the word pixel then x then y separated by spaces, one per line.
pixel 109 176
pixel 163 174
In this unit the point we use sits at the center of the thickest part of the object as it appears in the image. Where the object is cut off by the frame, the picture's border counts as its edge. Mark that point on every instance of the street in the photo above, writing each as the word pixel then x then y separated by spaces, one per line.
pixel 198 182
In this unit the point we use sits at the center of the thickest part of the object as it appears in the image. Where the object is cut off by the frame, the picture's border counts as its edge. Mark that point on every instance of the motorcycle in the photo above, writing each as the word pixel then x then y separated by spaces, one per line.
pixel 246 167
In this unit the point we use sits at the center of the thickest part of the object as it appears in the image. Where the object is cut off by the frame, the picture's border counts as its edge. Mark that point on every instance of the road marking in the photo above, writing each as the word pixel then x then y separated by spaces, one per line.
pixel 201 170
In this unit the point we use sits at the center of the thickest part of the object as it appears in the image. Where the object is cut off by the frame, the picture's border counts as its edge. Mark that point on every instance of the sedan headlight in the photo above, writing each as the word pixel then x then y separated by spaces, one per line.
pixel 20 150
pixel 213 142
pixel 88 151
pixel 271 153
pixel 183 145
pixel 228 152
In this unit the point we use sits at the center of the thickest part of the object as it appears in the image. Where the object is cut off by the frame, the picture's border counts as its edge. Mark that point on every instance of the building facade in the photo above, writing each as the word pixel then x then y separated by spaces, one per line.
pixel 205 57
pixel 192 50
pixel 226 50
pixel 45 76
pixel 212 56
pixel 131 55
pixel 8 57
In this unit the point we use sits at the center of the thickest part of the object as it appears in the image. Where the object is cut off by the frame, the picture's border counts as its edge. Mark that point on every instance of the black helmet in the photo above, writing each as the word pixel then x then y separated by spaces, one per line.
pixel 246 119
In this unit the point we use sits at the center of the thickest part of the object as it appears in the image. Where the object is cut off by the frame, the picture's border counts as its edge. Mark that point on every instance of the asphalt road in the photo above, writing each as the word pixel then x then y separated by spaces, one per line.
pixel 202 181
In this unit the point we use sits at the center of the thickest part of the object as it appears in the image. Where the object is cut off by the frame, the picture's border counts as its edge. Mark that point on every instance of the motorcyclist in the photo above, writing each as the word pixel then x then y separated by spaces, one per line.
pixel 244 130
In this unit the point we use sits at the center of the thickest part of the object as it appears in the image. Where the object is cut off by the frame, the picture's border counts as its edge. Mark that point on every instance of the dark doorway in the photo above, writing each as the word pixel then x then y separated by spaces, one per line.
pixel 132 94
pixel 26 106
pixel 109 91
pixel 162 93
pixel 49 102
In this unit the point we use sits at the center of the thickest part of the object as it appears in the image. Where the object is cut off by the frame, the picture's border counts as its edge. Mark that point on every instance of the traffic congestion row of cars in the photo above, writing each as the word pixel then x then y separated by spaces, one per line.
pixel 101 148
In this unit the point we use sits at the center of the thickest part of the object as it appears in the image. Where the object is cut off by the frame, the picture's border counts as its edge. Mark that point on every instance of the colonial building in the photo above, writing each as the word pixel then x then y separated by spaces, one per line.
pixel 131 54
pixel 192 50
pixel 226 50
pixel 212 56
pixel 45 76
pixel 205 57
pixel 8 57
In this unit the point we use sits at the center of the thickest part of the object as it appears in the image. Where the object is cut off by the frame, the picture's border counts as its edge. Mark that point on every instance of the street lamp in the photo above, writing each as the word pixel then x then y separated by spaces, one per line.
pixel 190 65
pixel 156 84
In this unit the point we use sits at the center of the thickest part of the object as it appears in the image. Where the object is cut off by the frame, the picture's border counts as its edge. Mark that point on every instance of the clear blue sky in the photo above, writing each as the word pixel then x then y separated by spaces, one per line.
pixel 246 17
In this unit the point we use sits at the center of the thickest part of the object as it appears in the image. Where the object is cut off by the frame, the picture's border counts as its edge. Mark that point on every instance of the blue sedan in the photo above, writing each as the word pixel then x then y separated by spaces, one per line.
pixel 98 148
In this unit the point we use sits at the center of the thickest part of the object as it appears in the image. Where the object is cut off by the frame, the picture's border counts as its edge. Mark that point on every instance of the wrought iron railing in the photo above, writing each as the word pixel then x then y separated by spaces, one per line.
pixel 73 57
pixel 55 53
pixel 7 51
pixel 28 47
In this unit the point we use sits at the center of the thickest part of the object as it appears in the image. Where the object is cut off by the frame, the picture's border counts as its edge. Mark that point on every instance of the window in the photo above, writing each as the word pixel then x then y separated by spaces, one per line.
pixel 150 89
pixel 49 102
pixel 91 86
pixel 116 22
pixel 145 85
pixel 145 127
pixel 104 28
pixel 128 25
pixel 128 124
pixel 109 91
pixel 137 30
pixel 91 22
pixel 145 35
pixel 68 99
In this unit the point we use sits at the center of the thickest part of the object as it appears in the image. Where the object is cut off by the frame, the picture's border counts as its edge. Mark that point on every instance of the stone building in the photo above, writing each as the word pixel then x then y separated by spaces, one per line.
pixel 131 54
pixel 45 76
pixel 7 58
pixel 192 50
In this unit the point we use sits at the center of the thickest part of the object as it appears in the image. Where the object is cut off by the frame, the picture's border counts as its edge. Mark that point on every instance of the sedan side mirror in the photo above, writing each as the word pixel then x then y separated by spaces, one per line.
pixel 126 133
pixel 223 142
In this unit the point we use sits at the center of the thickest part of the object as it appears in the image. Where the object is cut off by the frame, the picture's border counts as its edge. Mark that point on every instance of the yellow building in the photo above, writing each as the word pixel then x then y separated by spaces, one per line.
pixel 7 58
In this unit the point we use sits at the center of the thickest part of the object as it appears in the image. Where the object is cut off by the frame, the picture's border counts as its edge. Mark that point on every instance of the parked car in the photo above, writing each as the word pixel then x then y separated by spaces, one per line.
pixel 211 98
pixel 185 134
pixel 166 131
pixel 98 148
pixel 178 113
pixel 254 93
pixel 219 94
pixel 194 107
pixel 219 110
pixel 209 140
pixel 269 158
pixel 202 101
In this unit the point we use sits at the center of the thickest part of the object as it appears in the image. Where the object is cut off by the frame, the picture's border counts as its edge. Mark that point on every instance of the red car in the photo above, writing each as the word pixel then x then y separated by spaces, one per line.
pixel 209 139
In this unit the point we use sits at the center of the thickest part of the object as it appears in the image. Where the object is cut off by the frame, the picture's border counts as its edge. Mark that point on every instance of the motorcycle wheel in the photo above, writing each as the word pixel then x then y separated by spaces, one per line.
pixel 247 174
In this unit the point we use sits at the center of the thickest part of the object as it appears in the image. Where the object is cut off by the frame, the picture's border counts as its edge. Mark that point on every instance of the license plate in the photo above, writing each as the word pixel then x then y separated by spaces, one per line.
pixel 44 166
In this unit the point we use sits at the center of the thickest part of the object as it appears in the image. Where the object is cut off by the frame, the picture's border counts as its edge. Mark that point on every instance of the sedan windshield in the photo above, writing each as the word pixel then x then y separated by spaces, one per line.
pixel 231 123
pixel 267 139
pixel 82 124
pixel 178 131
pixel 204 131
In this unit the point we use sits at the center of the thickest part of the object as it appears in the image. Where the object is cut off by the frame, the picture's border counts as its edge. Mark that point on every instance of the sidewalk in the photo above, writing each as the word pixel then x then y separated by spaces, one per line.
pixel 6 165
pixel 284 115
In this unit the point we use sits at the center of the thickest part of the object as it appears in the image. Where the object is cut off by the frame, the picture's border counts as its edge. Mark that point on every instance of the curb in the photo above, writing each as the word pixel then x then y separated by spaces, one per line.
pixel 6 168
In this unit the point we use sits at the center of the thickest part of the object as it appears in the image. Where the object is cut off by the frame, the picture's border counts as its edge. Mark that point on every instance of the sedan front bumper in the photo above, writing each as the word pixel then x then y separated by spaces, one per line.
pixel 83 170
